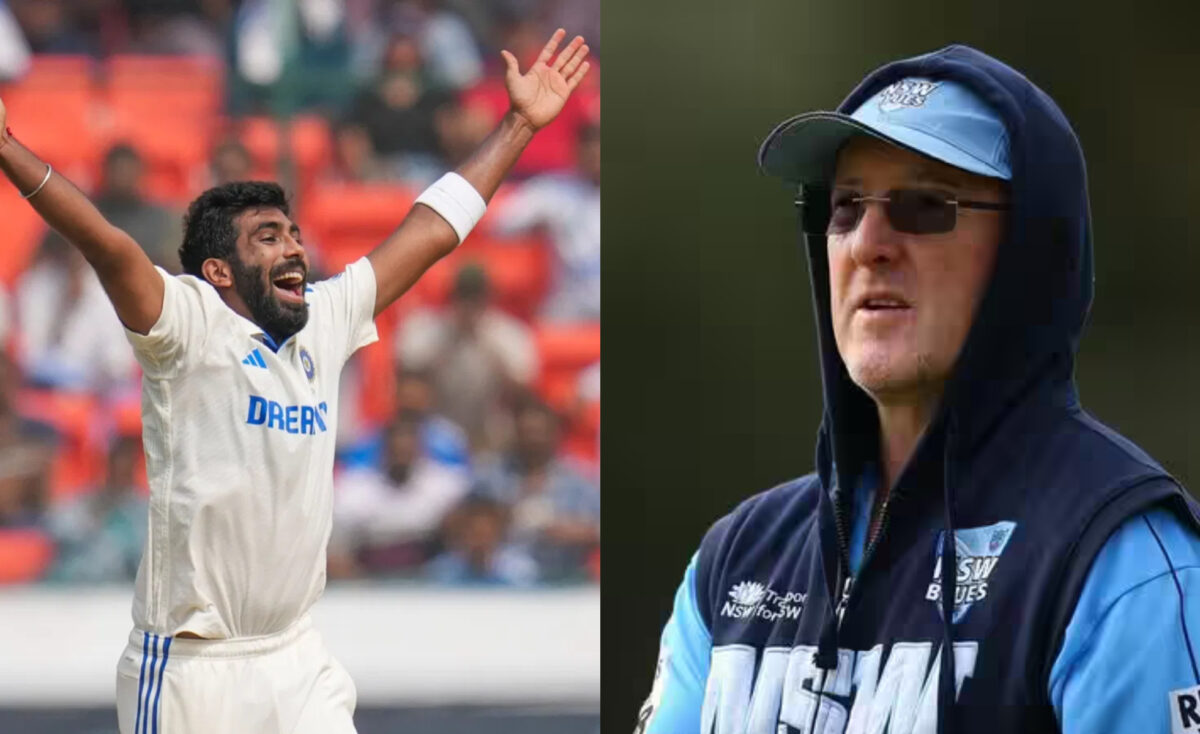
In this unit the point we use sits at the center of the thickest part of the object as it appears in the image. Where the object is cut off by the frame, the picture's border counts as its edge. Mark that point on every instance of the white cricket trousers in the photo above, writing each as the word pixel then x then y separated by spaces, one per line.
pixel 276 684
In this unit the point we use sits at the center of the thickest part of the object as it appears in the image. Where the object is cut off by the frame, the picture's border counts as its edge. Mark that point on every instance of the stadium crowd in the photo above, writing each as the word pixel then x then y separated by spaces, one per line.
pixel 469 434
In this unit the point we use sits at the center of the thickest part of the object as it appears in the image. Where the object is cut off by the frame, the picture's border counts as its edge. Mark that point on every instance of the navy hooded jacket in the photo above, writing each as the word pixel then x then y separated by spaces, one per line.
pixel 1031 486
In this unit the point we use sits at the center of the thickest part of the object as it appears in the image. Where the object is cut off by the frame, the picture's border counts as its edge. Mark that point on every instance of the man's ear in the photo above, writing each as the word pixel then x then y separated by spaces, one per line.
pixel 217 272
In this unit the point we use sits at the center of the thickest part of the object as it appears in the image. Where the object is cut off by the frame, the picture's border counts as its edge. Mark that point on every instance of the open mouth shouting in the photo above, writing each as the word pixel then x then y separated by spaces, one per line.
pixel 289 284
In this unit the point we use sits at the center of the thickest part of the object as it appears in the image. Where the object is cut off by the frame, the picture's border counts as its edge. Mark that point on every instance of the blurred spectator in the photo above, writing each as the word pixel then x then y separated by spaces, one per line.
pixel 477 553
pixel 14 51
pixel 555 510
pixel 445 40
pixel 386 519
pixel 230 162
pixel 553 148
pixel 177 27
pixel 587 386
pixel 6 318
pixel 68 332
pixel 568 207
pixel 581 17
pixel 442 440
pixel 100 534
pixel 50 27
pixel 477 354
pixel 122 201
pixel 26 451
pixel 397 113
pixel 460 130
pixel 354 157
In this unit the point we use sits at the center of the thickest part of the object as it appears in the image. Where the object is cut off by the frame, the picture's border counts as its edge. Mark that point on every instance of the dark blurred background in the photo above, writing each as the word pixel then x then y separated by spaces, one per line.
pixel 714 390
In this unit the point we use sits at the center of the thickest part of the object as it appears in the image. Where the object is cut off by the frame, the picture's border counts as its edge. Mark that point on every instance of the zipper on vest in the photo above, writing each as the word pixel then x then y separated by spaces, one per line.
pixel 844 554
pixel 845 580
pixel 841 607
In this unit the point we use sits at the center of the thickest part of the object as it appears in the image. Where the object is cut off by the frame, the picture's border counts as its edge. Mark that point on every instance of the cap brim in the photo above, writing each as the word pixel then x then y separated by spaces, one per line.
pixel 804 148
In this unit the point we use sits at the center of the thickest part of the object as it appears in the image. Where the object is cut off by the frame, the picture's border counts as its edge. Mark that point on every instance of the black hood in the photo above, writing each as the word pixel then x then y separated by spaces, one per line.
pixel 1028 326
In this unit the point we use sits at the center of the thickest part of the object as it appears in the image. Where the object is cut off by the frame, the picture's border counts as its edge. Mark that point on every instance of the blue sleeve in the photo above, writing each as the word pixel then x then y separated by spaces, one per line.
pixel 1125 649
pixel 673 706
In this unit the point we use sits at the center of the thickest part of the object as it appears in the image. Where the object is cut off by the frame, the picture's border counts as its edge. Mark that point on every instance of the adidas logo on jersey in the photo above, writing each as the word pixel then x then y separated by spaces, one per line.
pixel 255 359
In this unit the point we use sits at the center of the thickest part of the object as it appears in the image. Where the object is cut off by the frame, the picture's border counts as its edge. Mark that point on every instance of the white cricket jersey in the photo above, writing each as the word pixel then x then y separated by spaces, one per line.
pixel 239 442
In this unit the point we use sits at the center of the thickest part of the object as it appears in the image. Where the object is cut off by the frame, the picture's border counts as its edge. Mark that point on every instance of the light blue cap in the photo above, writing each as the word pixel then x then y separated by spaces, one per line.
pixel 942 119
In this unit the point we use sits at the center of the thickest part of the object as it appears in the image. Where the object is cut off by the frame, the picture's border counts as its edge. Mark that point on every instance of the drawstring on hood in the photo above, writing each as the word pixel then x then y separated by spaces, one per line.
pixel 946 692
pixel 1021 345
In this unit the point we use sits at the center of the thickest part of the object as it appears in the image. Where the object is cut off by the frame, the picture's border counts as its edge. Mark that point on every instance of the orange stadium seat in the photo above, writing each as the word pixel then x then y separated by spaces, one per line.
pixel 310 140
pixel 519 270
pixel 25 555
pixel 312 144
pixel 22 231
pixel 346 221
pixel 582 436
pixel 565 349
pixel 167 108
pixel 54 110
pixel 80 460
pixel 187 85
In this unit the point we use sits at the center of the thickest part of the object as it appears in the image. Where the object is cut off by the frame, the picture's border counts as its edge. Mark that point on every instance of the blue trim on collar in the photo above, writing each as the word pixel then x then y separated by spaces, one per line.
pixel 270 343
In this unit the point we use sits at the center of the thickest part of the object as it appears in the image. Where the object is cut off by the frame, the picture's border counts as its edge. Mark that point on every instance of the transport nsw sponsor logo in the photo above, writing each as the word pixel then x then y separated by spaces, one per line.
pixel 751 599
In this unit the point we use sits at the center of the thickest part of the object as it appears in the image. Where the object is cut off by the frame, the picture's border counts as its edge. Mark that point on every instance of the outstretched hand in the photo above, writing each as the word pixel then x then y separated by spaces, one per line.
pixel 539 94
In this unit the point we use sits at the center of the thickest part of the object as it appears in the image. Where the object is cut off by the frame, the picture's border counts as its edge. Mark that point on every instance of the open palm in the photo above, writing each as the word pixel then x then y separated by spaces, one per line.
pixel 539 94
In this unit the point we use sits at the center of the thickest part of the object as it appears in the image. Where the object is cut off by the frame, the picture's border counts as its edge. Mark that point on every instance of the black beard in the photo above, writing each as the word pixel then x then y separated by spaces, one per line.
pixel 280 320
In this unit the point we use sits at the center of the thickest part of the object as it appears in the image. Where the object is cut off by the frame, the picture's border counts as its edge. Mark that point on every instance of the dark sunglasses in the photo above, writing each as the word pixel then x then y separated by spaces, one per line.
pixel 913 211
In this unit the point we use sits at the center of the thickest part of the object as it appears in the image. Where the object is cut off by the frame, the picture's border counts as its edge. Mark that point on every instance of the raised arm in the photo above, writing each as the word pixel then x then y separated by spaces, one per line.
pixel 536 98
pixel 128 276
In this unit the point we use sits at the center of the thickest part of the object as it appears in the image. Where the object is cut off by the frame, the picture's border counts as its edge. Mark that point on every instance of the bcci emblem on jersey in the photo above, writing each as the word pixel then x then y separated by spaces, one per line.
pixel 977 551
pixel 307 363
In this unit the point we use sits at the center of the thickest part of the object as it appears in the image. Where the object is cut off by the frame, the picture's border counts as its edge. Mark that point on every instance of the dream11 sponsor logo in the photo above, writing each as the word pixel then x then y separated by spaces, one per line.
pixel 752 599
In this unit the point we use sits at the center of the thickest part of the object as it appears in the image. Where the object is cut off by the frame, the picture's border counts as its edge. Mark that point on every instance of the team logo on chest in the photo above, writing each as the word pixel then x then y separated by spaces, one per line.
pixel 307 363
pixel 977 551
pixel 752 599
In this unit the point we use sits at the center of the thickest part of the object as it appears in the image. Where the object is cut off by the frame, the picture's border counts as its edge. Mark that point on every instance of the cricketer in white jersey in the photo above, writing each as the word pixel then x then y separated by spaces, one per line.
pixel 241 358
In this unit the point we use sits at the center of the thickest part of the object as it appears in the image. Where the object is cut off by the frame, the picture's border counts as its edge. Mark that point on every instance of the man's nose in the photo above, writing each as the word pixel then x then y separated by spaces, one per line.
pixel 874 241
pixel 292 247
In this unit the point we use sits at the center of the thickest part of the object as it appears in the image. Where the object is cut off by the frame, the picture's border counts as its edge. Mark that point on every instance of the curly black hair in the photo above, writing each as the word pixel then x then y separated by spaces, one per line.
pixel 208 228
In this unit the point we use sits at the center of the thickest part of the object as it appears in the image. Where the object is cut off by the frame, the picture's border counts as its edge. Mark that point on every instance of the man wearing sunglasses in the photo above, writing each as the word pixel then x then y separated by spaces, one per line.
pixel 974 552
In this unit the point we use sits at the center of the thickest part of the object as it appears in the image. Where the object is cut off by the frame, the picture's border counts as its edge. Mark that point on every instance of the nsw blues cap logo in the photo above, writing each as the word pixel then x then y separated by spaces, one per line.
pixel 977 551
pixel 906 93
pixel 942 119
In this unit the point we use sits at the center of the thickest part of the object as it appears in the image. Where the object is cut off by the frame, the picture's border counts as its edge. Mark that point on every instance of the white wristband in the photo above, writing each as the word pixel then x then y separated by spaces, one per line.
pixel 457 201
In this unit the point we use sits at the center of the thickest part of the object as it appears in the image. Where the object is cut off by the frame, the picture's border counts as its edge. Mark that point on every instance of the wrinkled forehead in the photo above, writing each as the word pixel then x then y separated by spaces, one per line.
pixel 867 161
pixel 264 218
